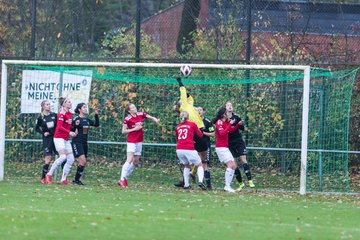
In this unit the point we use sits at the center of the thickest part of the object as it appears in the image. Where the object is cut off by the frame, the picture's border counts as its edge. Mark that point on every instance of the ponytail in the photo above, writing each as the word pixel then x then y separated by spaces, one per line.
pixel 127 110
pixel 61 101
pixel 42 107
pixel 77 109
pixel 219 115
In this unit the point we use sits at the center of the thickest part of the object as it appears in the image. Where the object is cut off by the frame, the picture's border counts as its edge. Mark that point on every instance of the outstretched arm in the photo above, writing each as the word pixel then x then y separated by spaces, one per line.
pixel 154 119
pixel 242 125
pixel 185 97
pixel 209 134
pixel 222 132
pixel 178 79
pixel 234 128
pixel 95 123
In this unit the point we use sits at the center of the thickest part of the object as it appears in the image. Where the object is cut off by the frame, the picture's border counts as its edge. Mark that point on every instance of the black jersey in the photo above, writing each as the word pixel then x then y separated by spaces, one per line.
pixel 208 127
pixel 46 123
pixel 82 126
pixel 236 136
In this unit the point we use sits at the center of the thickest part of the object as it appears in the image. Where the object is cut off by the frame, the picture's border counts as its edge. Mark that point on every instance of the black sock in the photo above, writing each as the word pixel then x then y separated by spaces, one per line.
pixel 238 175
pixel 63 164
pixel 247 171
pixel 79 172
pixel 207 178
pixel 45 170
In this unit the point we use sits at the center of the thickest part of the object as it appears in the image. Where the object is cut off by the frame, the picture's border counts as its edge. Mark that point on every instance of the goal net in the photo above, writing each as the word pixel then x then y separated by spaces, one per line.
pixel 296 119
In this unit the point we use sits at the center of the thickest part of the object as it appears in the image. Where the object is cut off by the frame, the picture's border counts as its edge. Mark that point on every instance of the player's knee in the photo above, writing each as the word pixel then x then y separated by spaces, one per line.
pixel 70 159
pixel 60 160
pixel 232 165
pixel 82 160
pixel 47 159
pixel 136 160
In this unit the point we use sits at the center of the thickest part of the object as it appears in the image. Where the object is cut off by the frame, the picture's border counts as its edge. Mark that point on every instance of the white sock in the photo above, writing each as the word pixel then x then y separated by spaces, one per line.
pixel 56 164
pixel 186 176
pixel 229 174
pixel 130 170
pixel 200 173
pixel 124 170
pixel 69 162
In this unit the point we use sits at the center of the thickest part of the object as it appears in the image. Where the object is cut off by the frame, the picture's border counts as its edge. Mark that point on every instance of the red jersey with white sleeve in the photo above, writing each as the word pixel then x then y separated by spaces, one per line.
pixel 132 121
pixel 222 131
pixel 185 135
pixel 63 125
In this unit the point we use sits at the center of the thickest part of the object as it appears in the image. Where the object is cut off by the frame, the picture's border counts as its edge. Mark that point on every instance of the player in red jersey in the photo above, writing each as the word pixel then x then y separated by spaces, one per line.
pixel 223 128
pixel 186 103
pixel 62 142
pixel 132 126
pixel 185 150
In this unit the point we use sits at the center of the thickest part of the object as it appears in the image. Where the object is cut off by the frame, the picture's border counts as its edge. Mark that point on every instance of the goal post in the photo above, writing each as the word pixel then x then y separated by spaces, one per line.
pixel 304 130
pixel 3 117
pixel 146 78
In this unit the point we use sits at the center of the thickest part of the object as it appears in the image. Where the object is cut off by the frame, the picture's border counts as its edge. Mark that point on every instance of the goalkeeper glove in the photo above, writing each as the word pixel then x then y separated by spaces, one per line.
pixel 178 79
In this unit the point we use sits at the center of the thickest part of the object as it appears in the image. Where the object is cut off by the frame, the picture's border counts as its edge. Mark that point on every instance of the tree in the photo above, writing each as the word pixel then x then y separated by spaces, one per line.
pixel 123 43
pixel 14 27
pixel 221 43
pixel 189 19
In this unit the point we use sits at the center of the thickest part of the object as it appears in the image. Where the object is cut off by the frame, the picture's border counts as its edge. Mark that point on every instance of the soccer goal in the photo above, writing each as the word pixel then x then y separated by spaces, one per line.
pixel 296 118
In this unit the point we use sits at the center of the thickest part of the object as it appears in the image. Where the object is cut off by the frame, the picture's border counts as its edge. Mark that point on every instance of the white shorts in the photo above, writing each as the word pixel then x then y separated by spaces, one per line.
pixel 224 154
pixel 136 148
pixel 188 157
pixel 61 144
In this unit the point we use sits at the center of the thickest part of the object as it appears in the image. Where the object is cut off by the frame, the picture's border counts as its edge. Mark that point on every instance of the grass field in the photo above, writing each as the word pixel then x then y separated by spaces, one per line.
pixel 29 210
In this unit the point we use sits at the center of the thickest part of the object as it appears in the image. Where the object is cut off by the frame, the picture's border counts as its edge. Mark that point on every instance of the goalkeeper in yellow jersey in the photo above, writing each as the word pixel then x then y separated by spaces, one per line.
pixel 186 103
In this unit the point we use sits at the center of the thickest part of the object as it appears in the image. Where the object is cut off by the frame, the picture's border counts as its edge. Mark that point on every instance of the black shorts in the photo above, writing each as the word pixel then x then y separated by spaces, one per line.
pixel 208 156
pixel 79 149
pixel 238 149
pixel 49 146
pixel 200 144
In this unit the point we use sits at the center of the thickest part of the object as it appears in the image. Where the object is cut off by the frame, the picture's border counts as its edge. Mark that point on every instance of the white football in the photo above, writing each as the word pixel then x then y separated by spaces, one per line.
pixel 185 70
